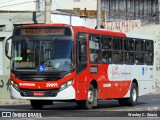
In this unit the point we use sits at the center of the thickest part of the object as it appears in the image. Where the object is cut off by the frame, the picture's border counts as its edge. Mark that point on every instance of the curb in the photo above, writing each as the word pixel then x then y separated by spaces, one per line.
pixel 13 102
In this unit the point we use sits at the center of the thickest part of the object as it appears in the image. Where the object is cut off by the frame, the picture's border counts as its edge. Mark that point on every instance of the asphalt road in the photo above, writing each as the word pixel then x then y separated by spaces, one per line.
pixel 148 107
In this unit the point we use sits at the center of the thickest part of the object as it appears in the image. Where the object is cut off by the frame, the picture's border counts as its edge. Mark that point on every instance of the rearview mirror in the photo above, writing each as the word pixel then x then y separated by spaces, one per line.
pixel 7 46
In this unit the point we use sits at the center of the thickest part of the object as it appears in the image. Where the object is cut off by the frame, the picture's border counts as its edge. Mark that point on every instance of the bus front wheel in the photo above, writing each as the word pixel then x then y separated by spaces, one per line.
pixel 91 99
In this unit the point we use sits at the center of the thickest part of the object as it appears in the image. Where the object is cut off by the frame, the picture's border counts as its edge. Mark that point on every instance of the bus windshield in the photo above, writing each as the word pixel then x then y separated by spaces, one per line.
pixel 43 55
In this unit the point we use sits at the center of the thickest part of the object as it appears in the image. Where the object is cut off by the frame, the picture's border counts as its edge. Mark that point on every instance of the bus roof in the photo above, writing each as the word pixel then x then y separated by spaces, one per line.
pixel 94 31
pixel 99 31
pixel 81 29
pixel 129 35
pixel 44 25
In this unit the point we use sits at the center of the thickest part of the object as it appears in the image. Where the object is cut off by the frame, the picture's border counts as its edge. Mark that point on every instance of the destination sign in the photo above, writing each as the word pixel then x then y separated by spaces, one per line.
pixel 42 31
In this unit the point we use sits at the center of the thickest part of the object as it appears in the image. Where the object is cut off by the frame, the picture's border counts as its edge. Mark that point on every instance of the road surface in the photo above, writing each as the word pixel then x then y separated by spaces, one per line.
pixel 148 107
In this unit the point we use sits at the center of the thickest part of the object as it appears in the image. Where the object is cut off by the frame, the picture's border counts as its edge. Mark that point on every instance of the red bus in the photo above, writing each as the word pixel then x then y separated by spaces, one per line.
pixel 59 62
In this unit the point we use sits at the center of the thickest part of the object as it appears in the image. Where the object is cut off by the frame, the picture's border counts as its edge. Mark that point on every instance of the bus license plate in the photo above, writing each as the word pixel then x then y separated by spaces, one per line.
pixel 38 93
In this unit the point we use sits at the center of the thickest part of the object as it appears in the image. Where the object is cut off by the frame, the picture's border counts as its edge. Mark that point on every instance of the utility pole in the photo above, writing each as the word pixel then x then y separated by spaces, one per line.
pixel 47 11
pixel 98 14
pixel 38 5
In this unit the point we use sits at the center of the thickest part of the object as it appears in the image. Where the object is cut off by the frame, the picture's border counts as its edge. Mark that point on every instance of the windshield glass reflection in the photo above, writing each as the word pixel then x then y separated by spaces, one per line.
pixel 44 56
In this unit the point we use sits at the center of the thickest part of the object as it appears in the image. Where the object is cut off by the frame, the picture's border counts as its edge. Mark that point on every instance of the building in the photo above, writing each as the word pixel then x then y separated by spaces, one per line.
pixel 24 5
pixel 18 5
pixel 9 19
pixel 145 10
pixel 74 4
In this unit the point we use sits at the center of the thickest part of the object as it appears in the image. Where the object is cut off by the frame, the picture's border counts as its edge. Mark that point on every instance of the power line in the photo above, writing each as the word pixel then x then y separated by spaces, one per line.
pixel 19 17
pixel 21 12
pixel 16 4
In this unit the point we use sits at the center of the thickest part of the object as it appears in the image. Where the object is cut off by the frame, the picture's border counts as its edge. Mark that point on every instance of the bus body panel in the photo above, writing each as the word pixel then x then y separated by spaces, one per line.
pixel 113 80
pixel 45 85
pixel 67 94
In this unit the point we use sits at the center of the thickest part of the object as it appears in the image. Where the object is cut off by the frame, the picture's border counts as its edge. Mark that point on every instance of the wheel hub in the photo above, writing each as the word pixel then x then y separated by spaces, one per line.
pixel 134 95
pixel 90 96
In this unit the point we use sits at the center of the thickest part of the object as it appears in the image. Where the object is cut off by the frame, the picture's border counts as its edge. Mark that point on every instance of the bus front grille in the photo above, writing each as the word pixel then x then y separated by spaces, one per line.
pixel 47 93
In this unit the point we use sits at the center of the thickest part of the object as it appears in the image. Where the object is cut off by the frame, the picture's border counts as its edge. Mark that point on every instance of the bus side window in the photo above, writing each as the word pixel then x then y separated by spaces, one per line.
pixel 129 57
pixel 139 58
pixel 139 45
pixel 106 56
pixel 94 45
pixel 149 52
pixel 118 50
pixel 117 43
pixel 94 56
pixel 106 46
pixel 118 56
pixel 129 50
pixel 139 51
pixel 106 43
pixel 149 46
pixel 129 45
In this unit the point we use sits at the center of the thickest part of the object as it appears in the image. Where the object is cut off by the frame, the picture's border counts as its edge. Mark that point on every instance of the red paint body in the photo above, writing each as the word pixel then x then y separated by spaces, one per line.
pixel 82 81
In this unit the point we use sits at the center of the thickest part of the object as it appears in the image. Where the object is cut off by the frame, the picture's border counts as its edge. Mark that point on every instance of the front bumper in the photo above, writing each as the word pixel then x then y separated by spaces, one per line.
pixel 66 94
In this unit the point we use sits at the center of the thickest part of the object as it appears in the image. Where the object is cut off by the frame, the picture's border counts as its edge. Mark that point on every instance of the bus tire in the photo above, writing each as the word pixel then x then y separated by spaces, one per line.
pixel 91 99
pixel 132 100
pixel 36 104
pixel 89 103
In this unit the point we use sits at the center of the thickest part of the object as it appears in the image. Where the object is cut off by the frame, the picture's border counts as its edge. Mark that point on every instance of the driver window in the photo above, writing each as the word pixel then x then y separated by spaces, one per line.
pixel 81 48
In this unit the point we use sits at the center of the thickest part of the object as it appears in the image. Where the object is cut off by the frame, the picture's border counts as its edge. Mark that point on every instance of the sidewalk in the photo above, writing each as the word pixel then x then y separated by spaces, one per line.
pixel 13 102
pixel 157 91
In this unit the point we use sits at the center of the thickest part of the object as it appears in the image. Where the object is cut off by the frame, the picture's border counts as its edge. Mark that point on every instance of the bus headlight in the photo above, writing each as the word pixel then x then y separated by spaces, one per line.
pixel 66 84
pixel 15 85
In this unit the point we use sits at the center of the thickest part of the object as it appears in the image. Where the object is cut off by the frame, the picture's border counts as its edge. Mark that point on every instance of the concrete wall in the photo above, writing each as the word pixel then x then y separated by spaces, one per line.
pixel 4 90
pixel 154 31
